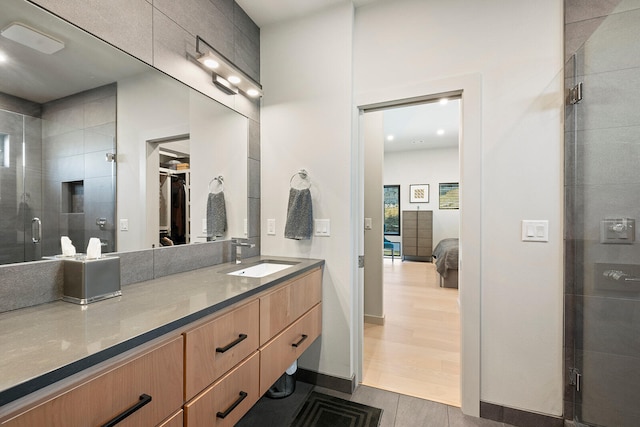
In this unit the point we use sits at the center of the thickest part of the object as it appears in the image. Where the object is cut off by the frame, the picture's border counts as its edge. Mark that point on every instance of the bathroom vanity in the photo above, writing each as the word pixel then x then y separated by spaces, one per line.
pixel 190 349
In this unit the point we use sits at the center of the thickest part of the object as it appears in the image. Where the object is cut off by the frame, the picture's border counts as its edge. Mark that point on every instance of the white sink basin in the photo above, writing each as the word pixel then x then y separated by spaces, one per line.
pixel 260 270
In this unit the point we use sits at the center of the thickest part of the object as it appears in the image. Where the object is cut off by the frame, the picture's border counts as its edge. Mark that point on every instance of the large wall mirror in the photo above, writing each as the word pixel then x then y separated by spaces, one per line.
pixel 95 143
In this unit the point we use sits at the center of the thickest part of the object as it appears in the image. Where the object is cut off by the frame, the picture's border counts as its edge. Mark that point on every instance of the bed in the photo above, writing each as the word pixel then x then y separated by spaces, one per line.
pixel 445 257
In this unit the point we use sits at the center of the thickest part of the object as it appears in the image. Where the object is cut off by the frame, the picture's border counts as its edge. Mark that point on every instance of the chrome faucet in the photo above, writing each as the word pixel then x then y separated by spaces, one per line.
pixel 240 243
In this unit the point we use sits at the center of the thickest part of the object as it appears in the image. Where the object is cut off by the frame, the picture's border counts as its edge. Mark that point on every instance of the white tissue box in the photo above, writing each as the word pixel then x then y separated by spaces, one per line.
pixel 90 280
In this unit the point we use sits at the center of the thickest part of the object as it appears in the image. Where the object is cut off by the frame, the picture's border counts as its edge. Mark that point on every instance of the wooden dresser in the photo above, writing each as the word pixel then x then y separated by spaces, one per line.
pixel 417 235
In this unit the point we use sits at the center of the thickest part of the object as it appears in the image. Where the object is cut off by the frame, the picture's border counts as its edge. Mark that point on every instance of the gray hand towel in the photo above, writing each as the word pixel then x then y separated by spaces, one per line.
pixel 216 215
pixel 299 215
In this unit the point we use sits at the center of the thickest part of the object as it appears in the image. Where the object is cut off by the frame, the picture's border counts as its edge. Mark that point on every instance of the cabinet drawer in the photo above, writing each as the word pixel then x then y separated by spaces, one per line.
pixel 282 307
pixel 215 347
pixel 280 353
pixel 157 373
pixel 175 421
pixel 228 399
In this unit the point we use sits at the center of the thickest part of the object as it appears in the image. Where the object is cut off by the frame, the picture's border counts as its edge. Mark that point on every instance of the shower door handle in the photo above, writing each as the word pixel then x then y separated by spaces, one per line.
pixel 36 230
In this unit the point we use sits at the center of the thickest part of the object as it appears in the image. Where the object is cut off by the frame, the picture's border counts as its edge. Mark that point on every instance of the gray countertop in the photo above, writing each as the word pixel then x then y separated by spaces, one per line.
pixel 46 343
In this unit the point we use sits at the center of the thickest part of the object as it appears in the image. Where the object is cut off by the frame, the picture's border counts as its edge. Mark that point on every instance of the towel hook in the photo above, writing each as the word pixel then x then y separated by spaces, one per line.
pixel 304 180
pixel 220 180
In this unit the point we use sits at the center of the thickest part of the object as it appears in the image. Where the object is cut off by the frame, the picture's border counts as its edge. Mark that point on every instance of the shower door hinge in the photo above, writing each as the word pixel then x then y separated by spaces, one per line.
pixel 575 94
pixel 360 261
pixel 575 378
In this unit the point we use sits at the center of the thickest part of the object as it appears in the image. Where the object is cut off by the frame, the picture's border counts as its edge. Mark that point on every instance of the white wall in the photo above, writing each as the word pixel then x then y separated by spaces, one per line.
pixel 425 167
pixel 516 49
pixel 139 119
pixel 218 147
pixel 152 106
pixel 306 123
pixel 374 209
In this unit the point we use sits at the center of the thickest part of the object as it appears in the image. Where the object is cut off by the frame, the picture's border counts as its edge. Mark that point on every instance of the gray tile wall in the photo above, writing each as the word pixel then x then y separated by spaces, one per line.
pixel 33 283
pixel 78 131
pixel 136 27
pixel 157 32
pixel 602 316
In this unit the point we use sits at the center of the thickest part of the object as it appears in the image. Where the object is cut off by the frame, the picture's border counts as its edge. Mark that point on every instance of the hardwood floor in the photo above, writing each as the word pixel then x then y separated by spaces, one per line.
pixel 417 351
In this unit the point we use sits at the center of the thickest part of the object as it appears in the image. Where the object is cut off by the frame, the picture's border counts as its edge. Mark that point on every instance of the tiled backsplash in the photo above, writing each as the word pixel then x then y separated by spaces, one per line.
pixel 28 284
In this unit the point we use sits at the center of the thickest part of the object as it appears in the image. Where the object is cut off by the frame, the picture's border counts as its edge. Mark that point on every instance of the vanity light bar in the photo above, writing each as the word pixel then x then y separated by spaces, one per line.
pixel 225 74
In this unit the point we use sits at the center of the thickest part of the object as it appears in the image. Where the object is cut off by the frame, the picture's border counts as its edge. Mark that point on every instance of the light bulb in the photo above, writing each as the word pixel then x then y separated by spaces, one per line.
pixel 234 79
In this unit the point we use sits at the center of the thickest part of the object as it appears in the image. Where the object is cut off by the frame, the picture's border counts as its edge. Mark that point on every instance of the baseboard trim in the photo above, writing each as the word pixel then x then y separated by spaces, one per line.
pixel 344 385
pixel 374 320
pixel 517 417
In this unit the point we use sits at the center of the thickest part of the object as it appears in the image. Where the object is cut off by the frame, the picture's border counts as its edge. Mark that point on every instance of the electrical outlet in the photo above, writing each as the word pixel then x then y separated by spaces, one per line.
pixel 124 224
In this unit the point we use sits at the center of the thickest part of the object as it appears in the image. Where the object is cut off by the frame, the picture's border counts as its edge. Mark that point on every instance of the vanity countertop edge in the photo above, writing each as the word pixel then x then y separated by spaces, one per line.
pixel 44 344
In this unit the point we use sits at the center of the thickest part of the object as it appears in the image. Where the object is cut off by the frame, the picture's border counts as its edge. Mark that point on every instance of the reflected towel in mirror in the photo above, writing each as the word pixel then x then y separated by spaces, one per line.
pixel 299 215
pixel 216 215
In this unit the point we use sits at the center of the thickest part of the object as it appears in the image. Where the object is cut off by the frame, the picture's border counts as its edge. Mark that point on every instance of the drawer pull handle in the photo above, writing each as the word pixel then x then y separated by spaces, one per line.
pixel 224 414
pixel 297 344
pixel 144 399
pixel 241 338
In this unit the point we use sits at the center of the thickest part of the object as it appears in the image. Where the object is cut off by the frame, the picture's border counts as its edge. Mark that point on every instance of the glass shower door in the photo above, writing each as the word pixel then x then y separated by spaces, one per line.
pixel 603 206
pixel 20 186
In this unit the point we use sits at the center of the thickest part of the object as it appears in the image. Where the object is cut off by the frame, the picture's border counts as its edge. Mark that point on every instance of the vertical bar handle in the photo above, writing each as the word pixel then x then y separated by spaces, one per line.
pixel 36 230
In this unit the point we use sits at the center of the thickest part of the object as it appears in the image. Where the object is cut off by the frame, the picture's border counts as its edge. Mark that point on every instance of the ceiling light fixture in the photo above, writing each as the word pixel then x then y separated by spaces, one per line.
pixel 32 38
pixel 390 138
pixel 225 75
pixel 440 132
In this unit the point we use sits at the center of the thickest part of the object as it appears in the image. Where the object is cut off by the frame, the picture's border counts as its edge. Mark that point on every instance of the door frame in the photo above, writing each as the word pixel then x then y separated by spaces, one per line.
pixel 470 88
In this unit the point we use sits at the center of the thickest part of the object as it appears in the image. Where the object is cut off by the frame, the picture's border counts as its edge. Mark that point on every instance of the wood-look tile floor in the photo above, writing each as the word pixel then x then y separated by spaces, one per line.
pixel 417 350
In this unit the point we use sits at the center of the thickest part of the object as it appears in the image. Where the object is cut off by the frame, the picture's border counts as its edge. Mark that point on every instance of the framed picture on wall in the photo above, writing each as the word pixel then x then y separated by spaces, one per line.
pixel 449 195
pixel 419 193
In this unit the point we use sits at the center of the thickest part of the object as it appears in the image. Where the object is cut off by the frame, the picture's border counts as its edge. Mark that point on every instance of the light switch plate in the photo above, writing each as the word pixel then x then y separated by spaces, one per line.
pixel 271 227
pixel 367 224
pixel 322 227
pixel 124 224
pixel 535 230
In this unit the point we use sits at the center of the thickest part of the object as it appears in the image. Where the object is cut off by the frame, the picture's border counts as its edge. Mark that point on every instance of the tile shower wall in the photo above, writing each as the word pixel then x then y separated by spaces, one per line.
pixel 603 181
pixel 78 132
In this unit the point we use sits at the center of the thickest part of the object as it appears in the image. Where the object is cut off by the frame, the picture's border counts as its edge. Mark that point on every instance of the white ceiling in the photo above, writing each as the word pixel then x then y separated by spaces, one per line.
pixel 416 127
pixel 267 12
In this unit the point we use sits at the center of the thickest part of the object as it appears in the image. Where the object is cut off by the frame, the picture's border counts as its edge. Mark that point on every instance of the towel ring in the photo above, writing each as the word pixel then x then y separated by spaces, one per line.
pixel 303 182
pixel 219 180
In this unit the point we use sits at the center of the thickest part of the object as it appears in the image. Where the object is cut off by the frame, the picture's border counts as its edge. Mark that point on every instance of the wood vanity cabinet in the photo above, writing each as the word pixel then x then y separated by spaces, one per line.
pixel 280 308
pixel 174 421
pixel 210 373
pixel 145 385
pixel 217 346
pixel 293 315
pixel 228 399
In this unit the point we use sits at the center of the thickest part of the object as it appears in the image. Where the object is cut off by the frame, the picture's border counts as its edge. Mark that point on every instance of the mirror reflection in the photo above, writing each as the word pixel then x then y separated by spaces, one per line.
pixel 87 134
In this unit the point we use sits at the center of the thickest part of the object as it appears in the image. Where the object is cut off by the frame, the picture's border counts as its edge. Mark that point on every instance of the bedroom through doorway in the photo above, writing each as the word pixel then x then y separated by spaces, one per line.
pixel 411 304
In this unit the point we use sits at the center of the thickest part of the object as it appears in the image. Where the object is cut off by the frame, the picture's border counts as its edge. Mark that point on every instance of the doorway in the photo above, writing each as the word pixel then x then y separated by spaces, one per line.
pixel 412 321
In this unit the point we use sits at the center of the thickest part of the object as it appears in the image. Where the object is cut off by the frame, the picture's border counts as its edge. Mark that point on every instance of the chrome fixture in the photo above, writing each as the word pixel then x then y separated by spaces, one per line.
pixel 240 243
pixel 225 75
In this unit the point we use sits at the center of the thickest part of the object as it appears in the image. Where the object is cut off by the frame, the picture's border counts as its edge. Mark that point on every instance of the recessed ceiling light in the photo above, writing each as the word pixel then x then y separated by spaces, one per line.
pixel 390 138
pixel 444 101
pixel 440 132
